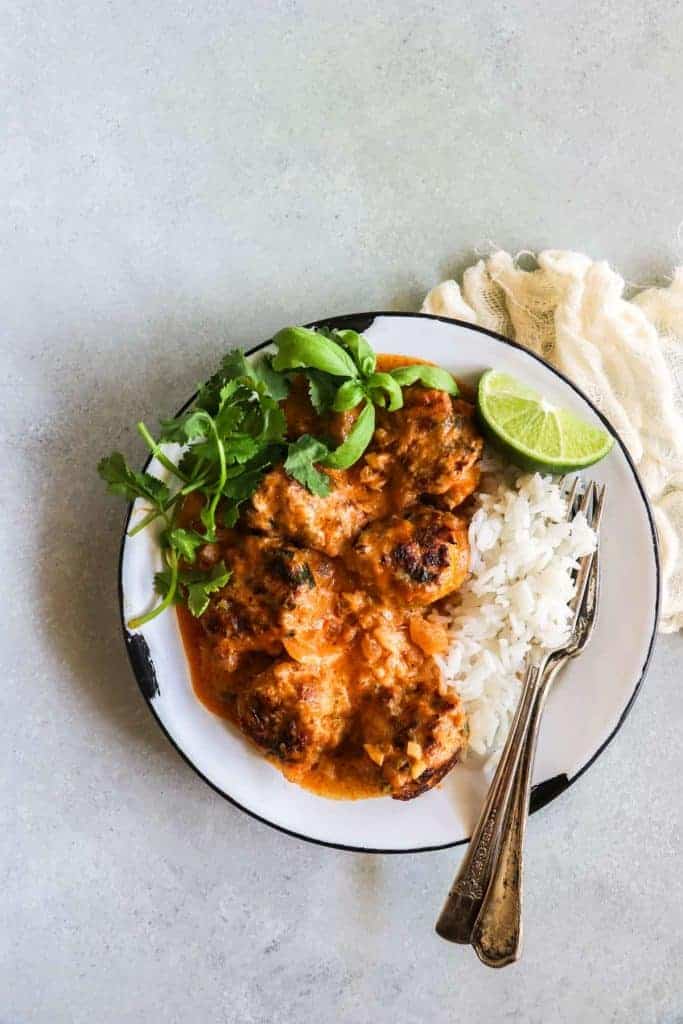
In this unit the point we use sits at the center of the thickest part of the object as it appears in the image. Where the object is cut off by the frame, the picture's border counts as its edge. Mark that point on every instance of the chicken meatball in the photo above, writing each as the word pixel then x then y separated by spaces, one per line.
pixel 275 593
pixel 435 440
pixel 415 559
pixel 324 523
pixel 414 733
pixel 294 712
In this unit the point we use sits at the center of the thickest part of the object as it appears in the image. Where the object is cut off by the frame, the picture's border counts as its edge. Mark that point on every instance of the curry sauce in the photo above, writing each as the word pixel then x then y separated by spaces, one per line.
pixel 321 647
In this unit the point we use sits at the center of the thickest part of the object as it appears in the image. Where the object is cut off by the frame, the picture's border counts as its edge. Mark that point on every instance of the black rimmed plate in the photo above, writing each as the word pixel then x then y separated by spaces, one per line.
pixel 585 709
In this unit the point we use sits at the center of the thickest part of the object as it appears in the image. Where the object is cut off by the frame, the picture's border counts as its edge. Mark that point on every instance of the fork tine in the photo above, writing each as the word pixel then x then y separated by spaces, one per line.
pixel 571 495
pixel 586 612
pixel 581 584
pixel 598 507
pixel 583 574
pixel 586 502
pixel 592 583
pixel 590 599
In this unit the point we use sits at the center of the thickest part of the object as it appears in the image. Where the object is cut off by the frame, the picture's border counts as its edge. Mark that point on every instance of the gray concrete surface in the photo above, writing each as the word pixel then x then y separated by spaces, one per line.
pixel 176 177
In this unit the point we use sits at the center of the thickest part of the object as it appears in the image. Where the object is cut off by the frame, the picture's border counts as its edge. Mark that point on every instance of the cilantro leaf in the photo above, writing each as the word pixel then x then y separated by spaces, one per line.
pixel 196 586
pixel 230 418
pixel 233 365
pixel 163 581
pixel 189 426
pixel 273 422
pixel 258 373
pixel 185 542
pixel 240 488
pixel 189 462
pixel 240 448
pixel 243 480
pixel 199 590
pixel 301 456
pixel 230 513
pixel 276 384
pixel 321 390
pixel 130 484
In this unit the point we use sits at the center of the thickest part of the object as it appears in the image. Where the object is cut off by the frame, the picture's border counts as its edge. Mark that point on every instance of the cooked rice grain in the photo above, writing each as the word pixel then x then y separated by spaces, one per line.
pixel 523 555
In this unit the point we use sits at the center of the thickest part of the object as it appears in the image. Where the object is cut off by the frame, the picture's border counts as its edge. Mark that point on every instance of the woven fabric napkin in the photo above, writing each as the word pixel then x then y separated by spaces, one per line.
pixel 626 354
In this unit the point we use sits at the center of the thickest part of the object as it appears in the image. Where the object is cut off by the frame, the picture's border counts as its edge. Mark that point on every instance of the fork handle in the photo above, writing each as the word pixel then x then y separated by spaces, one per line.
pixel 497 934
pixel 460 911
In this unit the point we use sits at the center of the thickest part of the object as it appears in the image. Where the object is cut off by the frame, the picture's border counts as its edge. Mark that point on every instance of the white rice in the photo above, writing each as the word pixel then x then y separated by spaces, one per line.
pixel 523 553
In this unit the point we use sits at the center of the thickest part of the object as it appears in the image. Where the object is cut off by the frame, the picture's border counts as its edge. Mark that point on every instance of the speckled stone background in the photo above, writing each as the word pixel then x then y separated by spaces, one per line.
pixel 177 177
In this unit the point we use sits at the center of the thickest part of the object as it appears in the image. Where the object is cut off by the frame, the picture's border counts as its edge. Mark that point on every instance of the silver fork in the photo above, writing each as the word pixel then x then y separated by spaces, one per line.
pixel 497 934
pixel 470 888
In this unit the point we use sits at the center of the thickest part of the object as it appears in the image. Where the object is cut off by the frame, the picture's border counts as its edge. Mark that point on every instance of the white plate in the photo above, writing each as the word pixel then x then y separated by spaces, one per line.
pixel 585 709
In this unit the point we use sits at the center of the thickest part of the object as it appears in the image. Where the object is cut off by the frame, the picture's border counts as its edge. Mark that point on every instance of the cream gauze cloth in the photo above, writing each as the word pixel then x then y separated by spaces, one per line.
pixel 625 354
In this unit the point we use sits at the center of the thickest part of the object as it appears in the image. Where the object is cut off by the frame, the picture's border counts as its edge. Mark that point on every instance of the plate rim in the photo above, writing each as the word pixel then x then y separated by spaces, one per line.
pixel 542 794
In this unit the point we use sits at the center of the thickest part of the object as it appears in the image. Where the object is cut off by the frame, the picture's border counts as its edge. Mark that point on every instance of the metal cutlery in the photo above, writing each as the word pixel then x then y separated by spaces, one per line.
pixel 484 906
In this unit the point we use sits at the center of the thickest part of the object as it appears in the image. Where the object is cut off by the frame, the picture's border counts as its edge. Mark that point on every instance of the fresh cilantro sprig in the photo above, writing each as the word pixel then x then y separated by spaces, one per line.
pixel 192 586
pixel 232 434
pixel 236 430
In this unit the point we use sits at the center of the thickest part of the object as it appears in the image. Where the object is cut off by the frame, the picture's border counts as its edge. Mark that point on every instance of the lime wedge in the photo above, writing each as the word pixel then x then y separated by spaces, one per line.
pixel 532 432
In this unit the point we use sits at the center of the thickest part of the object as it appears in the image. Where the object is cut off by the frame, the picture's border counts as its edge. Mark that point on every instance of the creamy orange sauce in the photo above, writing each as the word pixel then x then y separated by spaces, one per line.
pixel 347 772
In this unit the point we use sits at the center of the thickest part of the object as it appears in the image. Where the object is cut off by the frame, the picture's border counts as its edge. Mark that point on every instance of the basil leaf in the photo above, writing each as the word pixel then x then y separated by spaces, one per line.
pixel 386 383
pixel 349 395
pixel 359 437
pixel 299 348
pixel 428 376
pixel 363 355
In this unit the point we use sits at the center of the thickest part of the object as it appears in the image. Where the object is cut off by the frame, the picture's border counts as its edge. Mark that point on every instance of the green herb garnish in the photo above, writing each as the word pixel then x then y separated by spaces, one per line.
pixel 192 586
pixel 341 371
pixel 232 434
pixel 300 463
pixel 235 431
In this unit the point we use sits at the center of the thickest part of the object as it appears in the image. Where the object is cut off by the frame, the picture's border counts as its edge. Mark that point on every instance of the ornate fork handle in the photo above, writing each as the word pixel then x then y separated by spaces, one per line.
pixel 485 901
pixel 464 901
pixel 497 933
